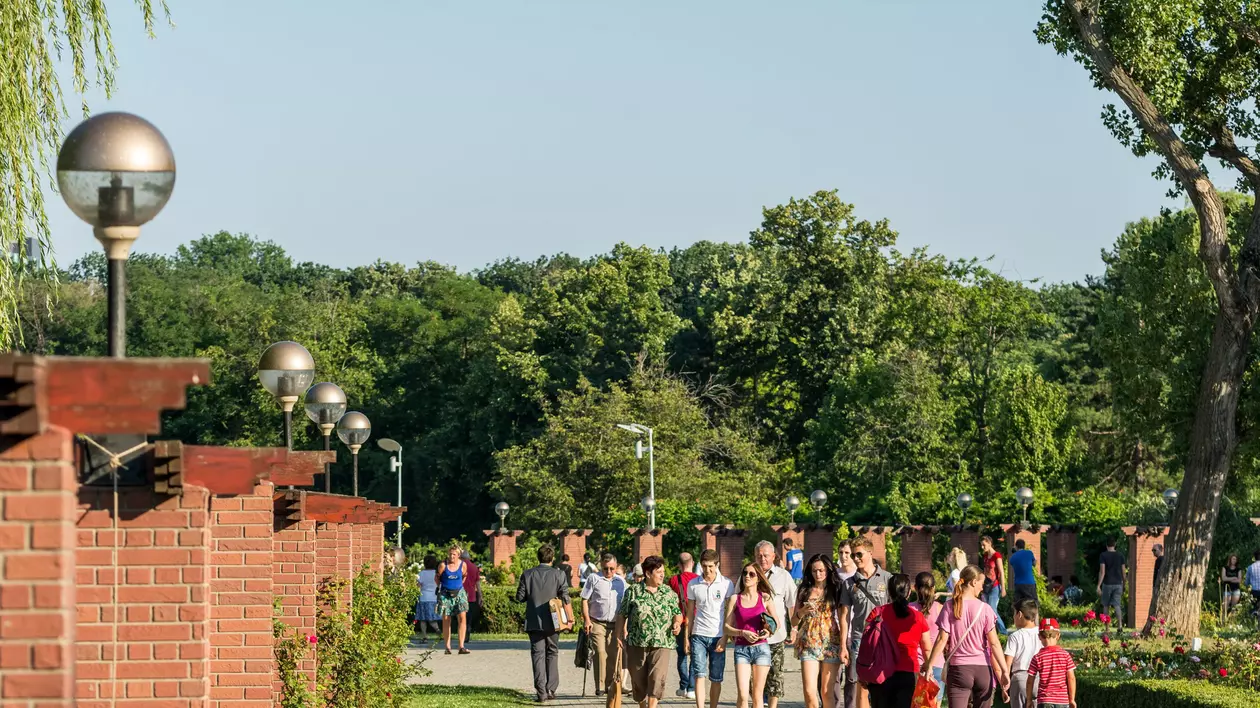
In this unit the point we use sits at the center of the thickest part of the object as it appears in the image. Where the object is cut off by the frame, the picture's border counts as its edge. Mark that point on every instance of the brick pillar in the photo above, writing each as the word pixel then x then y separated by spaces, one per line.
pixel 158 610
pixel 730 548
pixel 502 547
pixel 242 664
pixel 877 535
pixel 332 557
pixel 293 577
pixel 819 539
pixel 1061 552
pixel 708 537
pixel 37 573
pixel 793 532
pixel 648 543
pixel 573 544
pixel 916 549
pixel 968 539
pixel 1141 571
pixel 1031 535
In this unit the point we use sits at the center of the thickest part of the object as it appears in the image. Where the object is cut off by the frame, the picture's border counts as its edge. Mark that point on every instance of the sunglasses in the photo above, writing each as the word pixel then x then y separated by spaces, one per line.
pixel 750 574
pixel 859 554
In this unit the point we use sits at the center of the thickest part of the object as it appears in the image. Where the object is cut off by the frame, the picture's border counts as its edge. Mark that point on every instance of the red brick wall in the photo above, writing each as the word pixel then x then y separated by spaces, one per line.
pixel 332 556
pixel 647 543
pixel 1141 574
pixel 819 540
pixel 147 623
pixel 916 552
pixel 574 546
pixel 242 665
pixel 879 543
pixel 293 579
pixel 1061 554
pixel 37 483
pixel 969 541
pixel 730 548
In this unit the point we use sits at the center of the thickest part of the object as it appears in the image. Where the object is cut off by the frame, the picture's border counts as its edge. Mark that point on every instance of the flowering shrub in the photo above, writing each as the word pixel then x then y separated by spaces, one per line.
pixel 291 649
pixel 360 649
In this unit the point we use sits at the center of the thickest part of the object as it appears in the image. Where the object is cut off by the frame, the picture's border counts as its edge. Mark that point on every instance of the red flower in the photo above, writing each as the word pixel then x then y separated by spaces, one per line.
pixel 1106 640
pixel 1076 623
pixel 1105 619
pixel 367 621
pixel 312 639
pixel 1162 621
pixel 1089 616
pixel 1179 650
pixel 1152 618
pixel 1223 672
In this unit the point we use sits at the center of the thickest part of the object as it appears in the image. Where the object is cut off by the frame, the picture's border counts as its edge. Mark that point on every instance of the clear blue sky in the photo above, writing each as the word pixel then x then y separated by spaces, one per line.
pixel 465 131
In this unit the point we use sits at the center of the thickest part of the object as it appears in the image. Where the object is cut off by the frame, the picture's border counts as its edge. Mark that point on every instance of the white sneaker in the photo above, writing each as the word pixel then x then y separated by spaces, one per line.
pixel 691 694
pixel 682 693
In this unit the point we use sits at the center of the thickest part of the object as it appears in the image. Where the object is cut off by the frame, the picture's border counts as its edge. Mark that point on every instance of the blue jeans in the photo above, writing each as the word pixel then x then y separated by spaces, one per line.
pixel 938 673
pixel 757 655
pixel 685 682
pixel 706 662
pixel 991 598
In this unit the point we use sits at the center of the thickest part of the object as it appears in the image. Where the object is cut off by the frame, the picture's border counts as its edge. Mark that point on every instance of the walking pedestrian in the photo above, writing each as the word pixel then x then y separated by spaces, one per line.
pixel 537 588
pixel 861 594
pixel 452 600
pixel 1054 666
pixel 995 577
pixel 1231 582
pixel 565 568
pixel 679 583
pixel 969 642
pixel 586 568
pixel 601 597
pixel 1023 576
pixel 706 621
pixel 1021 646
pixel 649 620
pixel 1158 551
pixel 910 634
pixel 793 559
pixel 1112 577
pixel 955 561
pixel 784 589
pixel 745 620
pixel 926 603
pixel 472 588
pixel 426 607
pixel 845 568
pixel 818 631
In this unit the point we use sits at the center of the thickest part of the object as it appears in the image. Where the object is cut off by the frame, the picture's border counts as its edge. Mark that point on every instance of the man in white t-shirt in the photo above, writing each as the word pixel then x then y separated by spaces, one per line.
pixel 706 620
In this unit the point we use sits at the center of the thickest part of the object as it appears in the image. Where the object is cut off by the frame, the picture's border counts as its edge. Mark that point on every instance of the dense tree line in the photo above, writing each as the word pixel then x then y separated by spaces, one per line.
pixel 814 354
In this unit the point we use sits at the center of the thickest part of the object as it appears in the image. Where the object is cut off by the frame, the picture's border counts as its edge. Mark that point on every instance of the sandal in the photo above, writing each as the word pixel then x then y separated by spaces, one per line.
pixel 448 651
pixel 462 650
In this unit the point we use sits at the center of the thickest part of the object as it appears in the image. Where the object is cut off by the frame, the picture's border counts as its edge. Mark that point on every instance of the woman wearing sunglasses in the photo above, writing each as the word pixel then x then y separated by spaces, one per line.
pixel 745 620
pixel 817 630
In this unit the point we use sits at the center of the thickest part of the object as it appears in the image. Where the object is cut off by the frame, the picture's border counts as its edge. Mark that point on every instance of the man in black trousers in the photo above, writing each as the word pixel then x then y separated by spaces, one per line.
pixel 538 587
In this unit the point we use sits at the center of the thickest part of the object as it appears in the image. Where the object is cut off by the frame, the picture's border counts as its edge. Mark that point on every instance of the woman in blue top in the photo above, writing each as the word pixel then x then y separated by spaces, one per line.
pixel 452 599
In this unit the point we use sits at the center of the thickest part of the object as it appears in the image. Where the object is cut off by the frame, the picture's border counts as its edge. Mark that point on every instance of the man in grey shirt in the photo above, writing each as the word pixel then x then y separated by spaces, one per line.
pixel 866 590
pixel 601 597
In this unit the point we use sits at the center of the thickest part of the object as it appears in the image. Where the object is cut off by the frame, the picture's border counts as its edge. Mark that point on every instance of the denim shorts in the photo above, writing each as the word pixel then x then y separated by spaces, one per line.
pixel 705 662
pixel 757 655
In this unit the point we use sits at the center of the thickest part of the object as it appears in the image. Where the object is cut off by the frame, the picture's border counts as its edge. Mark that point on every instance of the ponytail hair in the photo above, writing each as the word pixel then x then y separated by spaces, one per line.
pixel 899 593
pixel 968 576
pixel 925 590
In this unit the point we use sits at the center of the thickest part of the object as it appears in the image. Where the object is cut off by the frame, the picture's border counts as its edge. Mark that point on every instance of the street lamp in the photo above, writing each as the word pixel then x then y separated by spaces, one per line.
pixel 395 465
pixel 116 171
pixel 354 429
pixel 502 510
pixel 286 369
pixel 648 504
pixel 640 429
pixel 325 403
pixel 1170 500
pixel 792 504
pixel 964 502
pixel 1024 496
pixel 818 499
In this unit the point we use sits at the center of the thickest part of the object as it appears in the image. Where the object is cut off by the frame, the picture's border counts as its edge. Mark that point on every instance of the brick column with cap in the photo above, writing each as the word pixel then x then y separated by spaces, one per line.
pixel 916 549
pixel 1141 571
pixel 648 542
pixel 502 546
pixel 1061 552
pixel 1030 535
pixel 968 539
pixel 820 539
pixel 794 532
pixel 572 544
pixel 877 535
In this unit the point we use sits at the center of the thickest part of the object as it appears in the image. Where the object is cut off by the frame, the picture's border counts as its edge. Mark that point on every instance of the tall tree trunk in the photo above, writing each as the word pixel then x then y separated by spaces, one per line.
pixel 1179 588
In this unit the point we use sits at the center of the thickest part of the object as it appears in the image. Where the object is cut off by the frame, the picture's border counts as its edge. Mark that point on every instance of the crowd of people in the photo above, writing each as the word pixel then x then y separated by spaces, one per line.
pixel 829 615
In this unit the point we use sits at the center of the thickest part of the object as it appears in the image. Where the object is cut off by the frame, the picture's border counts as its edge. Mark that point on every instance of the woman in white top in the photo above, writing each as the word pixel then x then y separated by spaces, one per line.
pixel 955 561
pixel 426 606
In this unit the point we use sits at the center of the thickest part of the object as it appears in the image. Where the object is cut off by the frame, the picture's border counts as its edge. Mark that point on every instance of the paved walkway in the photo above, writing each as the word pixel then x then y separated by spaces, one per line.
pixel 505 663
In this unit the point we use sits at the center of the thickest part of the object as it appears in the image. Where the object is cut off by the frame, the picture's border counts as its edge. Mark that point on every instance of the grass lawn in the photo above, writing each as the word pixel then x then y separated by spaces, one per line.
pixel 467 697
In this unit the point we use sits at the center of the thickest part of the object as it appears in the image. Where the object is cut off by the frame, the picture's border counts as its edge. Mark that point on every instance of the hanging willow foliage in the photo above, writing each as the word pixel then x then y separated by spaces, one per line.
pixel 34 37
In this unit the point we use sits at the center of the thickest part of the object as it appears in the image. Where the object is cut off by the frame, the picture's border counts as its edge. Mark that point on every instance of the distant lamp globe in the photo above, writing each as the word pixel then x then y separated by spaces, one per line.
pixel 354 429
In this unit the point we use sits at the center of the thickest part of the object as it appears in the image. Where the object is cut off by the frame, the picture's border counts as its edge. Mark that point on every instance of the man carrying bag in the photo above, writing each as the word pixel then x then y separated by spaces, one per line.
pixel 545 591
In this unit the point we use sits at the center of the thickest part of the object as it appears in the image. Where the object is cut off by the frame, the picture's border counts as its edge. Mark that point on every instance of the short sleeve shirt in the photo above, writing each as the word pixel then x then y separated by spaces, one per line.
pixel 991 565
pixel 710 602
pixel 1052 664
pixel 649 616
pixel 852 595
pixel 1113 568
pixel 908 632
pixel 796 563
pixel 603 596
pixel 471 580
pixel 784 597
pixel 968 636
pixel 1022 646
pixel 1023 564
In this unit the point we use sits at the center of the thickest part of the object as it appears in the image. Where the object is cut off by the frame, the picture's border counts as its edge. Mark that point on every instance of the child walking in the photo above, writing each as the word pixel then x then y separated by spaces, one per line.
pixel 1055 668
pixel 1021 647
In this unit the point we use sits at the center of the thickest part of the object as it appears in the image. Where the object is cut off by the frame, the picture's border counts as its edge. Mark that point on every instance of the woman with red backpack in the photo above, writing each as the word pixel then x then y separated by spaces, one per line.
pixel 975 664
pixel 888 661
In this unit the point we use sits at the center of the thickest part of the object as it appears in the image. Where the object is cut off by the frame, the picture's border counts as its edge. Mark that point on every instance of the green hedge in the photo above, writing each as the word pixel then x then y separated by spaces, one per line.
pixel 502 614
pixel 1099 692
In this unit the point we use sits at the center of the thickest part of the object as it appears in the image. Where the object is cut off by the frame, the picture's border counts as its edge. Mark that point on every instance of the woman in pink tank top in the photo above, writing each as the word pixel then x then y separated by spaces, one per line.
pixel 744 621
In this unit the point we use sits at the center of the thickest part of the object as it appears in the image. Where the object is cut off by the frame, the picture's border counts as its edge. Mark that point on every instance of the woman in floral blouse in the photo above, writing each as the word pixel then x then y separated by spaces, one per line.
pixel 817 632
pixel 648 621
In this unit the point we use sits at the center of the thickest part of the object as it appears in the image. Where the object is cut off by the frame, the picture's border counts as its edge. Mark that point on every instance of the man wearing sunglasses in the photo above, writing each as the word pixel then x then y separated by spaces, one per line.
pixel 866 590
pixel 601 596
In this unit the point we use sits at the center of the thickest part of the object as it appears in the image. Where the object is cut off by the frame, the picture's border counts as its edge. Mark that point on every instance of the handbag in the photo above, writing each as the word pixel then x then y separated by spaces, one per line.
pixel 583 651
pixel 926 693
pixel 769 623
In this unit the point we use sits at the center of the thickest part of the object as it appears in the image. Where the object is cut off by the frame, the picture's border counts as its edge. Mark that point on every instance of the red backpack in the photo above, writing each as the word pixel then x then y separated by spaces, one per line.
pixel 877 654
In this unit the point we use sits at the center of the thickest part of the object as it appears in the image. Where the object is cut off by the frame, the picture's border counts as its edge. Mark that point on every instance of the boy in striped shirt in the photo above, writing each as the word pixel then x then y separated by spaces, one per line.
pixel 1055 668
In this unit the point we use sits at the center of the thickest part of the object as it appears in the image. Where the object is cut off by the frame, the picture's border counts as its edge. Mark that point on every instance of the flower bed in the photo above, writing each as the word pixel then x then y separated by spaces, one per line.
pixel 1098 691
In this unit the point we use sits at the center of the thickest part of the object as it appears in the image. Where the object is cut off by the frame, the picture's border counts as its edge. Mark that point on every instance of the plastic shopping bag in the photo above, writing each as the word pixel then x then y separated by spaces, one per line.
pixel 925 694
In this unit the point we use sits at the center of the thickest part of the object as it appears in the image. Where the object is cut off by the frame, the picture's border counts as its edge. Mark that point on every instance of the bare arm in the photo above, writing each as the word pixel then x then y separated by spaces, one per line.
pixel 995 659
pixel 1071 688
pixel 1032 684
pixel 586 614
pixel 937 650
pixel 1102 570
